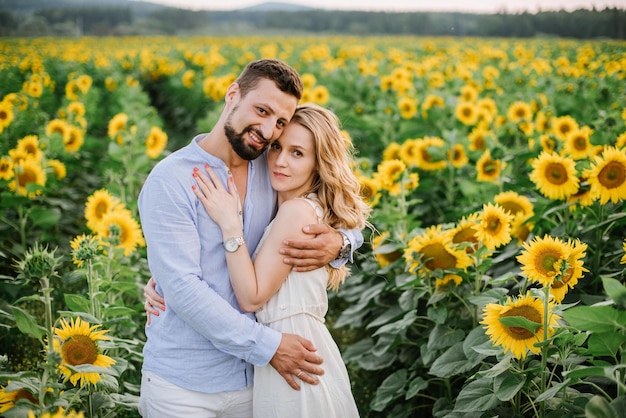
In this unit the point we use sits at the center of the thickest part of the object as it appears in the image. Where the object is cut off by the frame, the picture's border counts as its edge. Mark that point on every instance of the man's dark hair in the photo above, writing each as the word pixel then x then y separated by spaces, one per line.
pixel 285 77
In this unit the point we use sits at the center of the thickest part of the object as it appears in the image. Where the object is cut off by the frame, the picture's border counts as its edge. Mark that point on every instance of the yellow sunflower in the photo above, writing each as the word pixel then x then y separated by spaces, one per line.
pixel 434 250
pixel 392 152
pixel 389 172
pixel 607 176
pixel 518 340
pixel 407 107
pixel 572 273
pixel 457 156
pixel 6 168
pixel 6 114
pixel 577 144
pixel 478 139
pixel 562 126
pixel 121 230
pixel 58 168
pixel 57 126
pixel 555 176
pixel 519 111
pixel 156 142
pixel 620 141
pixel 188 78
pixel 488 169
pixel 8 399
pixel 28 172
pixel 30 145
pixel 74 139
pixel 548 144
pixel 431 101
pixel 71 90
pixel 542 259
pixel 430 153
pixel 98 204
pixel 308 80
pixel 623 260
pixel 516 204
pixel 83 83
pixel 465 232
pixel 383 256
pixel 494 226
pixel 60 413
pixel 409 152
pixel 521 228
pixel 110 83
pixel 466 113
pixel 468 93
pixel 33 88
pixel 117 124
pixel 320 95
pixel 446 282
pixel 369 190
pixel 76 108
pixel 77 343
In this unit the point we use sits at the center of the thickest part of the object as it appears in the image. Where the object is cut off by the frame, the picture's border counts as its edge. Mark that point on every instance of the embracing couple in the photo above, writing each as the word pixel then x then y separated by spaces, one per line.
pixel 246 228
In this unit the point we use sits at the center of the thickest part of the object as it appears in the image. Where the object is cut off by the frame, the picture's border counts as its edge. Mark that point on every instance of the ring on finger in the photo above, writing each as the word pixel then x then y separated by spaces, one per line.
pixel 299 373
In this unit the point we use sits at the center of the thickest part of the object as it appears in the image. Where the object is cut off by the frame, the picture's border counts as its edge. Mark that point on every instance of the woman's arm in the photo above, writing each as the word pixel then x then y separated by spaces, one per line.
pixel 254 283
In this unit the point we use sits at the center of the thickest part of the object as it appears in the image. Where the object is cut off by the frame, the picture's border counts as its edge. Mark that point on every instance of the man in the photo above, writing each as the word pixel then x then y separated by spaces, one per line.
pixel 199 354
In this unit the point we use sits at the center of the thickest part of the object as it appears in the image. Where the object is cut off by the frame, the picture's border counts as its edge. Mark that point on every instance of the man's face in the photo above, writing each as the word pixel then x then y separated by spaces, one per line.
pixel 258 118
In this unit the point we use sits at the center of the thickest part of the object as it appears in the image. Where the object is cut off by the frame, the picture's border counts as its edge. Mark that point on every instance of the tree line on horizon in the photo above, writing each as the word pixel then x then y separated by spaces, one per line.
pixel 125 21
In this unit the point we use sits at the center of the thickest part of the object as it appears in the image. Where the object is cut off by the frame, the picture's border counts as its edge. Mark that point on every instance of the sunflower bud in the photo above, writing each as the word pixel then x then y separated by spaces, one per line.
pixel 38 263
pixel 85 248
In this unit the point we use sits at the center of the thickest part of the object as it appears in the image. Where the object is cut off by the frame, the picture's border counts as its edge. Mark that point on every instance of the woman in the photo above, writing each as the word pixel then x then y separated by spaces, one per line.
pixel 310 168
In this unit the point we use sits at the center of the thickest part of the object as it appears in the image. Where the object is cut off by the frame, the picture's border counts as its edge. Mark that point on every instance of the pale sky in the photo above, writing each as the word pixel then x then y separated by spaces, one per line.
pixel 471 6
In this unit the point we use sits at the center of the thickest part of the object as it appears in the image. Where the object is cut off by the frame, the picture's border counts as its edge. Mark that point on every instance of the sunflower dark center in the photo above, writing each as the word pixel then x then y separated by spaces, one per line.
pixel 437 256
pixel 527 312
pixel 613 175
pixel 79 349
pixel 556 173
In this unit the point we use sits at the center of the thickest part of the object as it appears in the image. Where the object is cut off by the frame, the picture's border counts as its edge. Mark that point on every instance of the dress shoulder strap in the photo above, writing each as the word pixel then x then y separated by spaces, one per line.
pixel 311 198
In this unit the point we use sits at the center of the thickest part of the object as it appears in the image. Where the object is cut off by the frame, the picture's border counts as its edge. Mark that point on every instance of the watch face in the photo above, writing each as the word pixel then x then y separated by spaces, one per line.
pixel 231 245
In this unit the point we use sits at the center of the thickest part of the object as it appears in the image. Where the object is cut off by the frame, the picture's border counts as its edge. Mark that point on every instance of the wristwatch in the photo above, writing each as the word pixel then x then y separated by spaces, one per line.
pixel 232 244
pixel 345 248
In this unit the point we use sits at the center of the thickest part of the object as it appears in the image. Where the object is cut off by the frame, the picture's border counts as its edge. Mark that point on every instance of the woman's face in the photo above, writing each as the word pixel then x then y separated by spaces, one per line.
pixel 292 162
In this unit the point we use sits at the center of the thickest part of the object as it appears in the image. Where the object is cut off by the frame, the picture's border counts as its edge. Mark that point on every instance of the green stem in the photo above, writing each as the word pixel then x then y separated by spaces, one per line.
pixel 544 348
pixel 47 301
pixel 92 291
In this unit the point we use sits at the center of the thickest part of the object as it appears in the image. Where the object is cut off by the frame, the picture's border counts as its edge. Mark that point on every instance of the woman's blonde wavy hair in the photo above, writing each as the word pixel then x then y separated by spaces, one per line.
pixel 335 184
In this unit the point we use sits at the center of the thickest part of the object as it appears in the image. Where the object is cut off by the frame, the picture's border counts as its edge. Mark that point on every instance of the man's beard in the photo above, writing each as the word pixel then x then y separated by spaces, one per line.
pixel 239 145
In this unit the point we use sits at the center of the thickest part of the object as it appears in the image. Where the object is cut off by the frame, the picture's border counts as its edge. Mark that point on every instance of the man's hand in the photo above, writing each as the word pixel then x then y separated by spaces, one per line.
pixel 311 254
pixel 296 357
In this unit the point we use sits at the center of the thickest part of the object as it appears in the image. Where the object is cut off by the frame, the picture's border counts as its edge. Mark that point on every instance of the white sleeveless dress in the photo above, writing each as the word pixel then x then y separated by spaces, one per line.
pixel 299 308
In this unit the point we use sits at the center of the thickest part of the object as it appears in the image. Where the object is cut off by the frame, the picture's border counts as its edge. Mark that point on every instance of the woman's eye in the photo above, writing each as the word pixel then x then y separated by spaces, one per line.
pixel 274 146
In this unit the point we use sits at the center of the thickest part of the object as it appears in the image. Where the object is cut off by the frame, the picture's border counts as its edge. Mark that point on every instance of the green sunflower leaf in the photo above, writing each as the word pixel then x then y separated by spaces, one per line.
pixel 520 322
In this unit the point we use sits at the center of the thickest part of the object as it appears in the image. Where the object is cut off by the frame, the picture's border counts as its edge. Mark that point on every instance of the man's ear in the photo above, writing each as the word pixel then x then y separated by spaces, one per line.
pixel 232 92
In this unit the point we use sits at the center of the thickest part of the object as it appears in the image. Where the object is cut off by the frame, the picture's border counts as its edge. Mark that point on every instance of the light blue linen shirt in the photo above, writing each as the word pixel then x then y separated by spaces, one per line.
pixel 203 341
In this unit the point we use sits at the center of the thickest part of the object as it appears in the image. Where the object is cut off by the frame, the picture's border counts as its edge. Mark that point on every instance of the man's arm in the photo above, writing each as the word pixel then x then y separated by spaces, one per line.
pixel 169 223
pixel 311 254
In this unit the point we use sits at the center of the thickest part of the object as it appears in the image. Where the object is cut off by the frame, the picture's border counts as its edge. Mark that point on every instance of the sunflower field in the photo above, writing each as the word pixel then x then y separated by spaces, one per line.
pixel 491 284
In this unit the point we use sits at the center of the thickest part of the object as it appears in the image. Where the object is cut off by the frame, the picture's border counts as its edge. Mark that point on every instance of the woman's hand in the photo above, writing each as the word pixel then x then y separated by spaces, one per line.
pixel 222 205
pixel 154 301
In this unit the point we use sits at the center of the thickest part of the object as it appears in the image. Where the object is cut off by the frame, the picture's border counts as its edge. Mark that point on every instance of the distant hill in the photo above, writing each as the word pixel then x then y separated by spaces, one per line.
pixel 274 6
pixel 138 8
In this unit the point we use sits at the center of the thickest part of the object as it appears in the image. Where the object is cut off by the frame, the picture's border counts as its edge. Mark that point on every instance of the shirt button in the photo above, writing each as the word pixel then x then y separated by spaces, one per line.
pixel 283 307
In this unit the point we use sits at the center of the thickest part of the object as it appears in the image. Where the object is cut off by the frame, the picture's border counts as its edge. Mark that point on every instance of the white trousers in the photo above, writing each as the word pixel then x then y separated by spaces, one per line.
pixel 162 399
